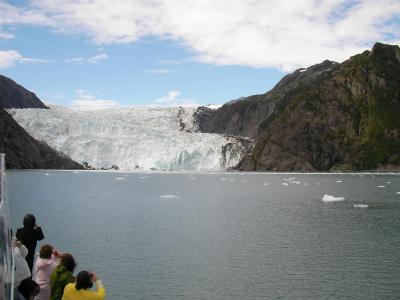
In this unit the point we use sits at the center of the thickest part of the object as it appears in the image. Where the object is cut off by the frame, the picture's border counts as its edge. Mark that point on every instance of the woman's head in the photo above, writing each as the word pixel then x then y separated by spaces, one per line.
pixel 46 251
pixel 29 221
pixel 68 261
pixel 83 280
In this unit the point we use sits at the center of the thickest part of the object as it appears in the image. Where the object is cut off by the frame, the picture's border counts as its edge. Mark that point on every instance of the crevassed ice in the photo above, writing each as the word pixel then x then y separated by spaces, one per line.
pixel 131 138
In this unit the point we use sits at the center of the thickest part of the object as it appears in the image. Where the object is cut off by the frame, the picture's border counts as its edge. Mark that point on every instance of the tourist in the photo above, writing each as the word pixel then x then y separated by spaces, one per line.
pixel 81 289
pixel 29 235
pixel 46 263
pixel 25 287
pixel 62 275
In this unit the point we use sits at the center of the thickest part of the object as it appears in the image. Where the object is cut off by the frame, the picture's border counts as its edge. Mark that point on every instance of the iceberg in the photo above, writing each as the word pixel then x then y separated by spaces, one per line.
pixel 168 196
pixel 329 198
pixel 133 138
pixel 360 206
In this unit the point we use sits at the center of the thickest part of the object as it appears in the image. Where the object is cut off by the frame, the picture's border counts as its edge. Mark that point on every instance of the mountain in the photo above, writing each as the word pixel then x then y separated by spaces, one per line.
pixel 12 95
pixel 24 152
pixel 327 117
pixel 134 138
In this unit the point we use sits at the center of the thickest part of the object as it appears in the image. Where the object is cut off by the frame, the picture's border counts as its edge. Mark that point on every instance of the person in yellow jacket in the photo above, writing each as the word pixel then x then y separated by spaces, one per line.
pixel 81 289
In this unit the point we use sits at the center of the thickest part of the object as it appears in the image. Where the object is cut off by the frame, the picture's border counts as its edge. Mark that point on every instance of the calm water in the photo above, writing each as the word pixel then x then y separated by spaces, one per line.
pixel 221 236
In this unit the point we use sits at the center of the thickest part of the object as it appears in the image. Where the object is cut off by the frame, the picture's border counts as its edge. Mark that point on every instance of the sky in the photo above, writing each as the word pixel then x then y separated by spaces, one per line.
pixel 99 53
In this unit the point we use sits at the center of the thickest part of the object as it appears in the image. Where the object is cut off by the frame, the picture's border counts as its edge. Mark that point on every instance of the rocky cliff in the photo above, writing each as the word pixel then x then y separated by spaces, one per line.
pixel 24 152
pixel 329 116
pixel 12 95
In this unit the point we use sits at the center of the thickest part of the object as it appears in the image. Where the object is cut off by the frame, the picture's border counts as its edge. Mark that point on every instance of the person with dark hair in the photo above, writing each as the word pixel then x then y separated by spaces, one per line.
pixel 62 275
pixel 46 263
pixel 28 289
pixel 80 290
pixel 28 236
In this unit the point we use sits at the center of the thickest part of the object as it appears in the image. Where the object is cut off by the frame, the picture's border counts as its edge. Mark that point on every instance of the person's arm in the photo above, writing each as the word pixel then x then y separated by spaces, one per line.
pixel 100 292
pixel 39 233
pixel 22 250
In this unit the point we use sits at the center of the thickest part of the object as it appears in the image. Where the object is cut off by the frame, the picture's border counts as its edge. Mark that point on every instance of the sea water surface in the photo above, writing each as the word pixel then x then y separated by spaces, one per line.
pixel 221 236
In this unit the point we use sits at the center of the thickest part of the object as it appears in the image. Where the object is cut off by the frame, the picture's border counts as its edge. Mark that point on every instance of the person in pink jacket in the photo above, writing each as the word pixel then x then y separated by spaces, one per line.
pixel 47 261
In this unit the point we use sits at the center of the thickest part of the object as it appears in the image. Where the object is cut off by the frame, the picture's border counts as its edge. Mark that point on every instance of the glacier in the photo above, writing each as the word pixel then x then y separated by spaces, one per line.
pixel 130 138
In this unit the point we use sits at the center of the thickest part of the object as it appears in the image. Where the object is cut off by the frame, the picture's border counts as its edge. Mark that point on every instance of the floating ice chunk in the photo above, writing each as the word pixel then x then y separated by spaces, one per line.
pixel 329 198
pixel 360 206
pixel 388 182
pixel 120 178
pixel 285 183
pixel 339 181
pixel 380 186
pixel 168 196
pixel 223 178
pixel 398 193
pixel 266 183
pixel 317 183
pixel 47 174
pixel 296 182
pixel 144 177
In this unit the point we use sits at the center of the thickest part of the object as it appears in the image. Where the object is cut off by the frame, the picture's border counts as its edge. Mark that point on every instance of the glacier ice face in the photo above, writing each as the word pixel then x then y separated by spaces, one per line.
pixel 133 137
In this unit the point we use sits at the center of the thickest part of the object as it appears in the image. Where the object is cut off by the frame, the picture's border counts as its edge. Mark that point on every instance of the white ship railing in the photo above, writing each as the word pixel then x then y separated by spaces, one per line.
pixel 6 256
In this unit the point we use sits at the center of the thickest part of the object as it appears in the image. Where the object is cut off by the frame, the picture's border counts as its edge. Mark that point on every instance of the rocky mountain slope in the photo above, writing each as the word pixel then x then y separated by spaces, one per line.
pixel 329 116
pixel 12 95
pixel 24 152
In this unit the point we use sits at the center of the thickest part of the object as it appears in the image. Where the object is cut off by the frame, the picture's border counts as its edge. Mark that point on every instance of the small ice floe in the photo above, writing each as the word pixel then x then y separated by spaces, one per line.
pixel 338 181
pixel 329 198
pixel 398 193
pixel 317 183
pixel 360 205
pixel 144 177
pixel 388 182
pixel 47 174
pixel 285 183
pixel 380 186
pixel 266 183
pixel 168 196
pixel 223 178
pixel 120 178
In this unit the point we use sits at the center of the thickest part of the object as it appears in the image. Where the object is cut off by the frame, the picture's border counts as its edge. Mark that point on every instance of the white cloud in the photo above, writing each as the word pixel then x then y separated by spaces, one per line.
pixel 277 33
pixel 86 101
pixel 5 35
pixel 158 71
pixel 87 60
pixel 9 58
pixel 172 100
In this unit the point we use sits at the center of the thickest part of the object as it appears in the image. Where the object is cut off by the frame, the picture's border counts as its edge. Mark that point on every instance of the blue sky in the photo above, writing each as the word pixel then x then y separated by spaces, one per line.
pixel 178 52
